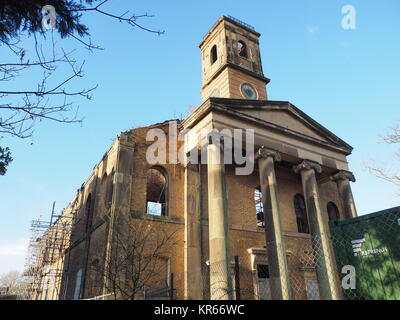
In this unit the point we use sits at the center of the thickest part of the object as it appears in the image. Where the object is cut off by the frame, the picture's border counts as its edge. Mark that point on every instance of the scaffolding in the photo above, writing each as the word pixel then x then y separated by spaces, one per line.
pixel 47 249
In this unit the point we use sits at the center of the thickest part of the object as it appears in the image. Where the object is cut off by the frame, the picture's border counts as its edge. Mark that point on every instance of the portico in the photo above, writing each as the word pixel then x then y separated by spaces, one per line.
pixel 314 154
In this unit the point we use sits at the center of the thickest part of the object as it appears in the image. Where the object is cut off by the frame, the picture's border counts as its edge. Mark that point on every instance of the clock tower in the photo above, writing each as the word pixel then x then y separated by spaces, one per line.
pixel 231 62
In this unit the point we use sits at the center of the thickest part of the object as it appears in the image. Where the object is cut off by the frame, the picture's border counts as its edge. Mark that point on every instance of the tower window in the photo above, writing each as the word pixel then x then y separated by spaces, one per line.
pixel 333 211
pixel 259 207
pixel 214 54
pixel 156 192
pixel 301 213
pixel 242 49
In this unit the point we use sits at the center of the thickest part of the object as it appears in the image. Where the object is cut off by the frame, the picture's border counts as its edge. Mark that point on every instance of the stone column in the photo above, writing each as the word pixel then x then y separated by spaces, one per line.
pixel 326 272
pixel 342 179
pixel 193 267
pixel 276 252
pixel 220 279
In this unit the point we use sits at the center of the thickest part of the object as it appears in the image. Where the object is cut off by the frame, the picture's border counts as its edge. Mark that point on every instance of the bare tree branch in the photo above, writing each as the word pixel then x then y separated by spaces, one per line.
pixel 136 263
pixel 392 137
pixel 383 174
pixel 18 119
pixel 56 70
pixel 131 20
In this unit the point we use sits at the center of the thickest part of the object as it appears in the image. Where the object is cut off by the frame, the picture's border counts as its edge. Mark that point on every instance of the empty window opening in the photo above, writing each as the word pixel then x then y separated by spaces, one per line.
pixel 78 281
pixel 89 213
pixel 156 192
pixel 301 214
pixel 333 211
pixel 259 207
pixel 242 49
pixel 109 191
pixel 214 54
pixel 263 290
pixel 102 195
pixel 262 271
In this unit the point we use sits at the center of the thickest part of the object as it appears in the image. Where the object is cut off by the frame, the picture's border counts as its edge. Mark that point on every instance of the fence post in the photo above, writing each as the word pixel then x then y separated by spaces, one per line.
pixel 237 278
pixel 172 286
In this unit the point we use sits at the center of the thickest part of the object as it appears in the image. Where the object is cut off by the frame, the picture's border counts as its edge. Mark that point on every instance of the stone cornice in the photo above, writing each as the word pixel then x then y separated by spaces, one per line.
pixel 265 153
pixel 343 175
pixel 307 165
pixel 237 67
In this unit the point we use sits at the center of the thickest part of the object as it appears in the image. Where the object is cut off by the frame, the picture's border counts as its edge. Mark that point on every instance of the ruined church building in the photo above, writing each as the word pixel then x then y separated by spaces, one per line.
pixel 237 236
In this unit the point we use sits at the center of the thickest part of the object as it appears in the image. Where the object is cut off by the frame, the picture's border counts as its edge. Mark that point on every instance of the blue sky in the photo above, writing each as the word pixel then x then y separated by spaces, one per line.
pixel 347 80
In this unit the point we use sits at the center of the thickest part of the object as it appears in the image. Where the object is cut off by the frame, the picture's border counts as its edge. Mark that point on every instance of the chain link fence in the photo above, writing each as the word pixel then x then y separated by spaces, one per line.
pixel 359 259
pixel 312 271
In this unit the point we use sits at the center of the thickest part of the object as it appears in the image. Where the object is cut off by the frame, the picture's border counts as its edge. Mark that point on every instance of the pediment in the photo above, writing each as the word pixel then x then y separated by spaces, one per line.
pixel 287 120
pixel 282 116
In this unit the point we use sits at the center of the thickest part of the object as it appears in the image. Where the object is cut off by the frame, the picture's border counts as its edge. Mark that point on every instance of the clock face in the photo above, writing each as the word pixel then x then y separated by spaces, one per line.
pixel 248 91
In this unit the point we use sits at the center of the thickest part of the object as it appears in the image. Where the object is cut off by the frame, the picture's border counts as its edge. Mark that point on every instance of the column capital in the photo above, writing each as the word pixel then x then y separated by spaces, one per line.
pixel 265 153
pixel 307 165
pixel 343 175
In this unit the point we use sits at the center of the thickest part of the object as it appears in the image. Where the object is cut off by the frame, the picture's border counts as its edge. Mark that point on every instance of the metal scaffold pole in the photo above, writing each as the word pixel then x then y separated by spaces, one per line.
pixel 44 266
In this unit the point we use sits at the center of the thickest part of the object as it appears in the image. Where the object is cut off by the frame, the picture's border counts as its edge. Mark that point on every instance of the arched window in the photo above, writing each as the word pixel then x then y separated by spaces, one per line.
pixel 78 282
pixel 259 207
pixel 109 191
pixel 157 184
pixel 214 54
pixel 333 211
pixel 301 213
pixel 242 49
pixel 89 212
pixel 103 193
